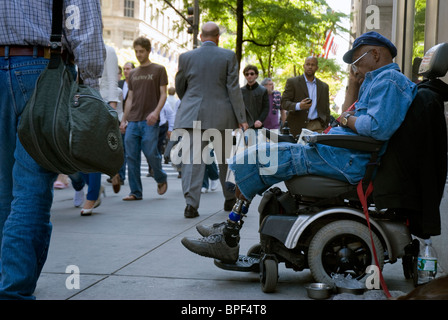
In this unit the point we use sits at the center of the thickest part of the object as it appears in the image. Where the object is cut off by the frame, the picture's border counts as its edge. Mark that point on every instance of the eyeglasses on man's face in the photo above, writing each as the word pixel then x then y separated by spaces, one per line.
pixel 249 74
pixel 354 67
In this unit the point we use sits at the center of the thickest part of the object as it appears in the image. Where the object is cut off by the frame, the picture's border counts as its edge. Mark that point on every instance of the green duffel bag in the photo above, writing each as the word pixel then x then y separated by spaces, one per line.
pixel 67 127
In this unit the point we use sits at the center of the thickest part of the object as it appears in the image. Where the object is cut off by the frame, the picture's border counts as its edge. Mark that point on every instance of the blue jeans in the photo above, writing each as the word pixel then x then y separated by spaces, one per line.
pixel 211 171
pixel 26 189
pixel 93 180
pixel 142 138
pixel 253 177
pixel 122 171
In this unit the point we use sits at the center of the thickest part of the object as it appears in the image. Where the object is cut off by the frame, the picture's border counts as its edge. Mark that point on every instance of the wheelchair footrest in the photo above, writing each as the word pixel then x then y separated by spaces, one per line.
pixel 244 264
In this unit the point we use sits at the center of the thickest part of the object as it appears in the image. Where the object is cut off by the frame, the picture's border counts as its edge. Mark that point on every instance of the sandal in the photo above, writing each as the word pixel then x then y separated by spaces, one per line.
pixel 131 198
pixel 162 187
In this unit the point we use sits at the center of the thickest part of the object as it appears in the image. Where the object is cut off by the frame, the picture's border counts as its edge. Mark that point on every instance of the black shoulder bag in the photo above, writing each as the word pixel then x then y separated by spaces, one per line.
pixel 67 127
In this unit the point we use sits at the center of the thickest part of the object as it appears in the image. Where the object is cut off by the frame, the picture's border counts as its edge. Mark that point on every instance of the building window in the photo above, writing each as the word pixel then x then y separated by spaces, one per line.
pixel 129 8
pixel 128 39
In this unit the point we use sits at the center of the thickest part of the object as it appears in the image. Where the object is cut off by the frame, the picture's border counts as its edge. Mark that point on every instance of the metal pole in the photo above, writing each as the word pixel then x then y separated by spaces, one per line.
pixel 405 35
pixel 409 38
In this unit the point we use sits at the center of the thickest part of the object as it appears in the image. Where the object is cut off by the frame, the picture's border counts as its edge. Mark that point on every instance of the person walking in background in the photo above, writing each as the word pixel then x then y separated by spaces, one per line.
pixel 207 84
pixel 255 98
pixel 110 93
pixel 144 102
pixel 174 103
pixel 94 191
pixel 123 84
pixel 61 182
pixel 272 120
pixel 108 90
pixel 307 100
pixel 211 175
pixel 26 189
pixel 165 128
pixel 172 100
pixel 167 116
pixel 123 93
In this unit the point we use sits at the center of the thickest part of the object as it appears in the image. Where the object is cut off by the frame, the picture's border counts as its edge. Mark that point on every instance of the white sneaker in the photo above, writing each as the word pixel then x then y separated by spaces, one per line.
pixel 214 184
pixel 204 190
pixel 78 199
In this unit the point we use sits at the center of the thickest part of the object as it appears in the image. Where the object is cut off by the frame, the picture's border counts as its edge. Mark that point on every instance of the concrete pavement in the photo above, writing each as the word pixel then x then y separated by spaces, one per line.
pixel 132 251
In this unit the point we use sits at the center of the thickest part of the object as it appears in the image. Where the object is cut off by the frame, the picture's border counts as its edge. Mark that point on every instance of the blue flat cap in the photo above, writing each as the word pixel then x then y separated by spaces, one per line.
pixel 371 38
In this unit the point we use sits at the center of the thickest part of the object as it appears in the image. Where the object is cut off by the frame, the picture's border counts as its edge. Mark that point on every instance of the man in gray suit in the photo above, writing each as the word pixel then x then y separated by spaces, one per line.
pixel 307 100
pixel 207 84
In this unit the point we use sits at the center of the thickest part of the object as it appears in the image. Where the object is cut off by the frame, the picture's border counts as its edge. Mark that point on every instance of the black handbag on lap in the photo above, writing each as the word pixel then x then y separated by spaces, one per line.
pixel 67 127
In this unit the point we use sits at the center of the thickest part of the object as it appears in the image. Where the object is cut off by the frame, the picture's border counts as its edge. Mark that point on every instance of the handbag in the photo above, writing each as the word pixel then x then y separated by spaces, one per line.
pixel 67 127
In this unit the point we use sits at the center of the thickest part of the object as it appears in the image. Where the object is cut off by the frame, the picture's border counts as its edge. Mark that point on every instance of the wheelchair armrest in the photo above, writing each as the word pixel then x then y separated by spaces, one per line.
pixel 279 137
pixel 359 143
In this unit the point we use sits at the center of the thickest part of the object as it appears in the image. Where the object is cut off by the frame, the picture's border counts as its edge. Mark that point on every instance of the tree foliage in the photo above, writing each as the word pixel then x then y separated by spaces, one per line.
pixel 277 35
pixel 419 28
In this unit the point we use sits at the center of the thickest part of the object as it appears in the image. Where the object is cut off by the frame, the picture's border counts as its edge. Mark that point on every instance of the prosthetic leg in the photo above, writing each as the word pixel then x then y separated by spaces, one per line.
pixel 231 232
pixel 235 222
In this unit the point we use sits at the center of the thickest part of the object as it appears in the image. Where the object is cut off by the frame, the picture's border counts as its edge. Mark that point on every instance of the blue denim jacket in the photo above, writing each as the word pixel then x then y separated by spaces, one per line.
pixel 384 99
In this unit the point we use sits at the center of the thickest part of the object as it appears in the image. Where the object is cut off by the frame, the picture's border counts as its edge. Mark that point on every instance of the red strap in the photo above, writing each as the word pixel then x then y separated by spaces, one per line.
pixel 363 198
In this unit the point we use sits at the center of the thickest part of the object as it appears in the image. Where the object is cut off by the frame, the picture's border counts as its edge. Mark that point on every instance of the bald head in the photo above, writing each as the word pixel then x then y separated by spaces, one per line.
pixel 310 67
pixel 312 59
pixel 210 32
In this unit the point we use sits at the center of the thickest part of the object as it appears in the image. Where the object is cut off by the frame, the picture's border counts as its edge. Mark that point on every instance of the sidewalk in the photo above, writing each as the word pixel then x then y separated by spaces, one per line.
pixel 132 251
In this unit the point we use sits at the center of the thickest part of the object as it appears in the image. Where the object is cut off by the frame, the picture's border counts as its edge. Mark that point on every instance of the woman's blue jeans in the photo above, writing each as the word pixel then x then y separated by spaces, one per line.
pixel 26 189
pixel 93 180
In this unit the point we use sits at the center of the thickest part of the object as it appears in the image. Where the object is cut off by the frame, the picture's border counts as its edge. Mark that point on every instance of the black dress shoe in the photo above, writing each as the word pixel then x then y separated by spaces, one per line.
pixel 228 204
pixel 190 212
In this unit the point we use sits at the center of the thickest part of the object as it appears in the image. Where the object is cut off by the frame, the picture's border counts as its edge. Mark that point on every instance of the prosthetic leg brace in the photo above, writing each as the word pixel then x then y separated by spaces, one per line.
pixel 235 222
pixel 231 234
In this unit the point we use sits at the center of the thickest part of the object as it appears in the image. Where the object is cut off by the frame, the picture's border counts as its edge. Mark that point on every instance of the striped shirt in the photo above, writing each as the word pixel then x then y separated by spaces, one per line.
pixel 25 22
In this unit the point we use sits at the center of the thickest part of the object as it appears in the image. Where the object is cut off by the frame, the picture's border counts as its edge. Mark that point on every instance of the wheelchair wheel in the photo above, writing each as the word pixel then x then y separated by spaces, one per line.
pixel 342 247
pixel 269 275
pixel 255 250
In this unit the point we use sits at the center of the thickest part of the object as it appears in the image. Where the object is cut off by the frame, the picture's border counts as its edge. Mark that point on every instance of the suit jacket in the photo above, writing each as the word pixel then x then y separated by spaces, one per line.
pixel 208 86
pixel 295 91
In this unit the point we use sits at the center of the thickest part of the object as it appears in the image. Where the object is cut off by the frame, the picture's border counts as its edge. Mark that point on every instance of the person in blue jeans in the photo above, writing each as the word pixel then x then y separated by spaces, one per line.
pixel 140 122
pixel 384 98
pixel 26 189
pixel 94 191
pixel 211 172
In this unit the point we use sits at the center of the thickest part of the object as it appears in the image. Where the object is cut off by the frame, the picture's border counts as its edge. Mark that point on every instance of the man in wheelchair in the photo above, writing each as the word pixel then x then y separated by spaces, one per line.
pixel 385 96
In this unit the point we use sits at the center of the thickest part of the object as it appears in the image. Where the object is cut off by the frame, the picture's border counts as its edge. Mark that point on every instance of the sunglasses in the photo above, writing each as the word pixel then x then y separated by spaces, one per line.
pixel 354 67
pixel 249 74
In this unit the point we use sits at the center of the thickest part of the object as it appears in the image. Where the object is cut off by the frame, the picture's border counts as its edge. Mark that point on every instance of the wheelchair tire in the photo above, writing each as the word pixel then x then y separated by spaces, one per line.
pixel 269 275
pixel 343 247
pixel 255 250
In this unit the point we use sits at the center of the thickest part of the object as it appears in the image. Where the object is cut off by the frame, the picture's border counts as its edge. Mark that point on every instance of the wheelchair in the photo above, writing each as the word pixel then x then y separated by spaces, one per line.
pixel 322 225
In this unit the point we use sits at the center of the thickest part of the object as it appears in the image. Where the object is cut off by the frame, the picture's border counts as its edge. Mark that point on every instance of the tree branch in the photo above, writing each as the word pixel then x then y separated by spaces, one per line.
pixel 258 44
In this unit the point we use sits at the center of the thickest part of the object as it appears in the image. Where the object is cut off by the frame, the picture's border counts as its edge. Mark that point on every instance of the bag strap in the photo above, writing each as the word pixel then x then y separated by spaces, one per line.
pixel 56 25
pixel 56 35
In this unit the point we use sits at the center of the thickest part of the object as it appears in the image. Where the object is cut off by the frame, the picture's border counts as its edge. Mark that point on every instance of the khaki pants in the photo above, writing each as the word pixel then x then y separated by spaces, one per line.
pixel 315 125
